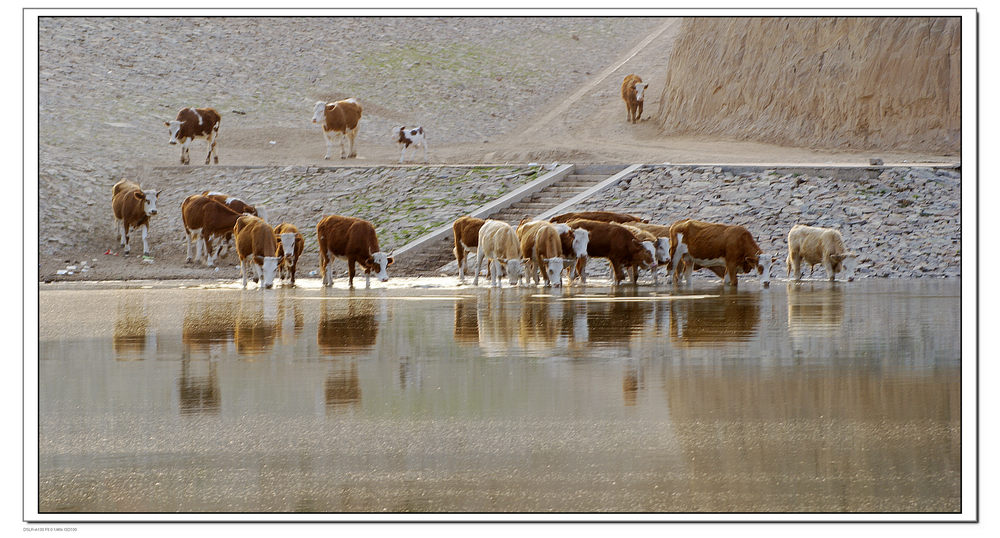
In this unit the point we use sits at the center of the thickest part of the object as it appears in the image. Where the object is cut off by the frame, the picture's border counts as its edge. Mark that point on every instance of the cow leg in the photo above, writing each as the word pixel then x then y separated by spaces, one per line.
pixel 351 134
pixel 209 257
pixel 496 280
pixel 243 271
pixel 368 278
pixel 479 265
pixel 323 263
pixel 329 144
pixel 796 265
pixel 424 146
pixel 634 270
pixel 401 154
pixel 145 241
pixel 581 266
pixel 638 111
pixel 291 270
pixel 350 273
pixel 460 260
pixel 343 150
pixel 828 265
pixel 125 242
pixel 211 147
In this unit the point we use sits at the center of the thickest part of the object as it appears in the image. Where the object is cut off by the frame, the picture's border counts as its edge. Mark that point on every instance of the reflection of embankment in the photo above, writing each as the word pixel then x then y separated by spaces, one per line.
pixel 712 321
pixel 755 439
pixel 131 334
pixel 208 326
pixel 815 310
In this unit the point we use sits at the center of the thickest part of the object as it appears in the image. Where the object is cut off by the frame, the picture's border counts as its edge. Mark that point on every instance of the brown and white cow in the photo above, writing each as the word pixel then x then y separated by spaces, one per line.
pixel 413 136
pixel 815 245
pixel 498 244
pixel 191 124
pixel 600 216
pixel 662 234
pixel 354 240
pixel 649 242
pixel 632 93
pixel 238 206
pixel 341 120
pixel 256 248
pixel 206 219
pixel 547 254
pixel 290 246
pixel 132 206
pixel 724 249
pixel 615 243
pixel 466 230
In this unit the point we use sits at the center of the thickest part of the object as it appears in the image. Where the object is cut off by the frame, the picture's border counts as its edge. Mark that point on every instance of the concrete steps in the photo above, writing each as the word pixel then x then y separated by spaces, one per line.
pixel 436 255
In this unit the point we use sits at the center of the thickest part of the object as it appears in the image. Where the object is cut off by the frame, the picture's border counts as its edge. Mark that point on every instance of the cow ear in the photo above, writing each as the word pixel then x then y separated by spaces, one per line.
pixel 388 261
pixel 138 195
pixel 167 123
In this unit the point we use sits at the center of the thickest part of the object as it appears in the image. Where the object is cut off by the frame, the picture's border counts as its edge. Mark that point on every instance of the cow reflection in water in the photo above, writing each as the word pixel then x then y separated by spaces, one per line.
pixel 131 335
pixel 257 323
pixel 731 317
pixel 345 329
pixel 540 323
pixel 198 387
pixel 617 321
pixel 814 309
pixel 467 321
pixel 633 380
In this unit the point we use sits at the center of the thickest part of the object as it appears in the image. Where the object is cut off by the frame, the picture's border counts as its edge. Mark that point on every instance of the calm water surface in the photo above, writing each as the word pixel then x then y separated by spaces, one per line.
pixel 810 397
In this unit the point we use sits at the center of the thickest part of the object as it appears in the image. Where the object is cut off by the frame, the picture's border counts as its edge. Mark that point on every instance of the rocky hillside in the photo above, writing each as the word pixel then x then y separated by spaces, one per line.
pixel 860 83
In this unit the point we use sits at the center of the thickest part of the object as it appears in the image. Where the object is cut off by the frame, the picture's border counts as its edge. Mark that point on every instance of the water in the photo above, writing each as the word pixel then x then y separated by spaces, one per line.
pixel 810 397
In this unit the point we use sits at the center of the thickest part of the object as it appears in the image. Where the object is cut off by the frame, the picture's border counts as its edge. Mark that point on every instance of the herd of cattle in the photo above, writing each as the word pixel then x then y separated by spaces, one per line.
pixel 532 248
pixel 215 223
pixel 341 120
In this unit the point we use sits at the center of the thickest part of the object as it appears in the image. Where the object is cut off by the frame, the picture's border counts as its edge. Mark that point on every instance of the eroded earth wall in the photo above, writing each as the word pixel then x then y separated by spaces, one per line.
pixel 832 82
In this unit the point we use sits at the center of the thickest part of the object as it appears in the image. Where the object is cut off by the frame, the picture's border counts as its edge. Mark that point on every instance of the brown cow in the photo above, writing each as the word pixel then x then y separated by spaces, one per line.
pixel 290 245
pixel 238 206
pixel 340 118
pixel 354 240
pixel 466 230
pixel 191 124
pixel 204 219
pixel 547 254
pixel 724 249
pixel 600 216
pixel 256 247
pixel 614 242
pixel 632 93
pixel 132 206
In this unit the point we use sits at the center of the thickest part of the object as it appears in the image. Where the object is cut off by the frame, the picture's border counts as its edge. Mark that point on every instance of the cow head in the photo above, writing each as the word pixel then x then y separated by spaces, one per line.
pixel 148 200
pixel 764 268
pixel 648 258
pixel 319 112
pixel 680 250
pixel 663 250
pixel 175 127
pixel 847 262
pixel 381 261
pixel 515 269
pixel 268 268
pixel 553 268
pixel 581 238
pixel 640 88
pixel 286 244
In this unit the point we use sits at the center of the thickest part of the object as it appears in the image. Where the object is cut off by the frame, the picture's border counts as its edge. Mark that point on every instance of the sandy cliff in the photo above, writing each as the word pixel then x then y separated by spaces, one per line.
pixel 859 83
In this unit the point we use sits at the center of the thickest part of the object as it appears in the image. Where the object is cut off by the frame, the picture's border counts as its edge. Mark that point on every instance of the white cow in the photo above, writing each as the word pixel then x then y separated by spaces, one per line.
pixel 815 245
pixel 410 137
pixel 499 245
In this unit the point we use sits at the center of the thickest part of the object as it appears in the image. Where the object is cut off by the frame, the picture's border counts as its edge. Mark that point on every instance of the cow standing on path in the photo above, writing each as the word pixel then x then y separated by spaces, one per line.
pixel 411 137
pixel 191 124
pixel 466 231
pixel 132 206
pixel 632 93
pixel 338 119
